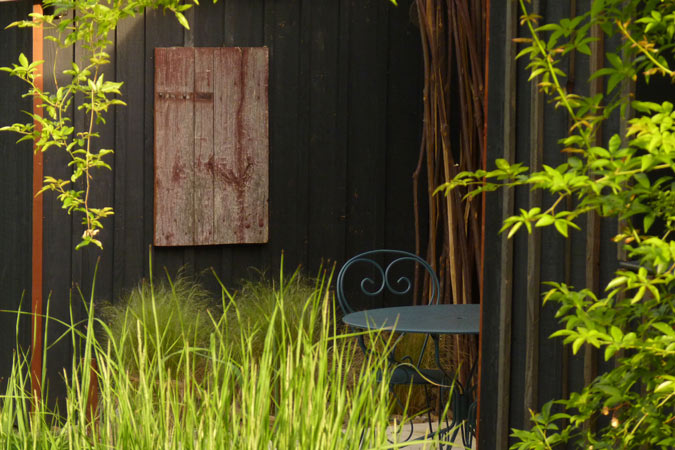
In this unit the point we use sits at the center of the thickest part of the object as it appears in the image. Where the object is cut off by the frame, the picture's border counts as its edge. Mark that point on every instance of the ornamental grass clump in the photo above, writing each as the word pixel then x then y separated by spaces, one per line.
pixel 177 313
pixel 292 393
pixel 252 311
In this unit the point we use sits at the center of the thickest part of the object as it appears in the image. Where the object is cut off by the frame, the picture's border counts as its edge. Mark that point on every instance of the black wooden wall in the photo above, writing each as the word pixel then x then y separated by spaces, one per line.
pixel 15 188
pixel 521 367
pixel 345 118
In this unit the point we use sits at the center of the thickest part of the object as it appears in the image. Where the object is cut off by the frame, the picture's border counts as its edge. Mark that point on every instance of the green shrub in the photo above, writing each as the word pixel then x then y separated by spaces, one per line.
pixel 629 177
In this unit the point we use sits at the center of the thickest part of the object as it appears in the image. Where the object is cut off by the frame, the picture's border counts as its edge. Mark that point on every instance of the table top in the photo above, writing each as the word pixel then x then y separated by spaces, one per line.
pixel 433 319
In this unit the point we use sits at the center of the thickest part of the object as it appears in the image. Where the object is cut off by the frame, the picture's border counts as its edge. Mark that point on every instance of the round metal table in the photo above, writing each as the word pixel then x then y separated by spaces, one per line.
pixel 432 320
pixel 425 319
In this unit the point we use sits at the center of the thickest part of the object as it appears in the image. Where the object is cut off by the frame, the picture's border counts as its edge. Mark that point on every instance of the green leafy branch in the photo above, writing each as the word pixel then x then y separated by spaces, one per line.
pixel 630 177
pixel 599 178
pixel 88 24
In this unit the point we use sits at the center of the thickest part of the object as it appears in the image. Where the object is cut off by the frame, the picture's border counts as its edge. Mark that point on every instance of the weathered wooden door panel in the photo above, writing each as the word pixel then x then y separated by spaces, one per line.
pixel 217 123
pixel 174 131
pixel 204 149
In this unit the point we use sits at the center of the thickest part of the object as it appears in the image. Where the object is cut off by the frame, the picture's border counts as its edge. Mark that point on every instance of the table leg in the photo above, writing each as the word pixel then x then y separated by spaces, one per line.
pixel 462 404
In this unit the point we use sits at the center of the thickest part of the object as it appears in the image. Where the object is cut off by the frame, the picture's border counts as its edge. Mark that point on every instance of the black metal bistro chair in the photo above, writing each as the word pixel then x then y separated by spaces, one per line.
pixel 383 278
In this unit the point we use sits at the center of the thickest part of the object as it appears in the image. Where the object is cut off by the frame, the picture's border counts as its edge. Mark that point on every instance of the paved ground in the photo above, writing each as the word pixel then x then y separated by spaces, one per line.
pixel 419 431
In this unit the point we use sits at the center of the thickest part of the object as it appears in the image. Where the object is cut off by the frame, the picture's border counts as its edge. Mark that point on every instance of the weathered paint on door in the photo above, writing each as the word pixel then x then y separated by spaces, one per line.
pixel 211 146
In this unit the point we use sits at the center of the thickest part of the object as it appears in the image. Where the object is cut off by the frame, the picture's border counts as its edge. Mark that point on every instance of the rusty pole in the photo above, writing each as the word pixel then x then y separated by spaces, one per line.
pixel 36 292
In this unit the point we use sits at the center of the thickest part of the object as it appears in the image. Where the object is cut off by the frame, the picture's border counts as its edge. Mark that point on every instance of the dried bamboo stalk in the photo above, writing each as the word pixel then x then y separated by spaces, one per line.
pixel 453 46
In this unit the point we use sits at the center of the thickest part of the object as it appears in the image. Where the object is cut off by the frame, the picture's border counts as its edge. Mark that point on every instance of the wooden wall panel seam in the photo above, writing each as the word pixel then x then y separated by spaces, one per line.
pixel 534 260
pixel 508 207
pixel 481 275
pixel 593 234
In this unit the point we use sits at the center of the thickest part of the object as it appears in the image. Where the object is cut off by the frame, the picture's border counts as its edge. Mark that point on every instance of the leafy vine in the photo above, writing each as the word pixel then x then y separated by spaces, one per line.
pixel 88 23
pixel 630 177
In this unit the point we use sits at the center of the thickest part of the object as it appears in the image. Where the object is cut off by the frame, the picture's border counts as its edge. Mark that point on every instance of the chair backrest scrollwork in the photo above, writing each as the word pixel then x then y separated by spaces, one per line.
pixel 382 272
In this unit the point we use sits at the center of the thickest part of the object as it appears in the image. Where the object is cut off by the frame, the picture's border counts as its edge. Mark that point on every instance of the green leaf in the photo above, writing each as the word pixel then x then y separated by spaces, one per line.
pixel 615 60
pixel 182 20
pixel 584 48
pixel 638 296
pixel 642 179
pixel 645 107
pixel 614 80
pixel 664 328
pixel 616 333
pixel 545 221
pixel 647 162
pixel 576 345
pixel 648 221
pixel 514 229
pixel 561 226
pixel 502 164
pixel 618 281
pixel 666 385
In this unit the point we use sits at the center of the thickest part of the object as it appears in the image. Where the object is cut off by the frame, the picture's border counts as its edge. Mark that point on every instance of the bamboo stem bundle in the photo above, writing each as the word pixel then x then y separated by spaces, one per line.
pixel 453 44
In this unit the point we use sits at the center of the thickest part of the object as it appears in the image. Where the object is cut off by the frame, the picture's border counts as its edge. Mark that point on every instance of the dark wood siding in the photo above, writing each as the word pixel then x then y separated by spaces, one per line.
pixel 521 367
pixel 15 190
pixel 344 130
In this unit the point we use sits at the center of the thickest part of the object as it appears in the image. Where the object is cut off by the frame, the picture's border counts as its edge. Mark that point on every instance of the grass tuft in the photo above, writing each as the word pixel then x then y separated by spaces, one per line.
pixel 166 380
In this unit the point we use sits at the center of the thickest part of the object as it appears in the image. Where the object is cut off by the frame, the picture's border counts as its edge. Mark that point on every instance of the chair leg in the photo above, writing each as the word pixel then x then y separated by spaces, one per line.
pixel 470 425
pixel 400 404
pixel 428 398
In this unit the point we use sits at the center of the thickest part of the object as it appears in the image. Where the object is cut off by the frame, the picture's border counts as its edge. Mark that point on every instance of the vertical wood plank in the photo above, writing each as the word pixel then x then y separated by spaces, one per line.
pixel 534 258
pixel 508 208
pixel 328 128
pixel 593 221
pixel 160 30
pixel 174 146
pixel 130 248
pixel 366 147
pixel 58 243
pixel 255 143
pixel 209 31
pixel 203 143
pixel 90 261
pixel 404 85
pixel 241 146
pixel 15 194
pixel 190 253
pixel 209 25
pixel 568 263
pixel 244 26
pixel 627 91
pixel 553 246
pixel 288 161
pixel 481 275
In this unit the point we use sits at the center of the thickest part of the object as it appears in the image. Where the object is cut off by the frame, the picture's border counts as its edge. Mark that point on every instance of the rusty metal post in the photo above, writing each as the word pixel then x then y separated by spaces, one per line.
pixel 36 292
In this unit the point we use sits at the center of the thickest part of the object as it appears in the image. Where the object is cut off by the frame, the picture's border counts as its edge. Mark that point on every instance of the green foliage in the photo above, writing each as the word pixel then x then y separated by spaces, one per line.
pixel 250 313
pixel 293 394
pixel 629 177
pixel 89 24
pixel 178 312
